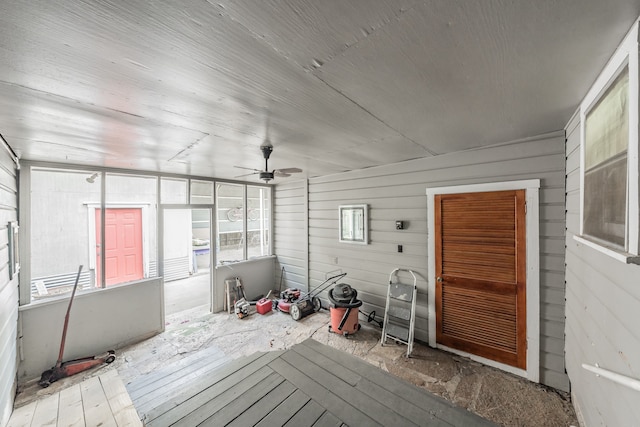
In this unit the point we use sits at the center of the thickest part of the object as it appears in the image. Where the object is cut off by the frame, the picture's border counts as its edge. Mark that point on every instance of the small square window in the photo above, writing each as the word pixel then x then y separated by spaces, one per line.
pixel 354 224
pixel 201 192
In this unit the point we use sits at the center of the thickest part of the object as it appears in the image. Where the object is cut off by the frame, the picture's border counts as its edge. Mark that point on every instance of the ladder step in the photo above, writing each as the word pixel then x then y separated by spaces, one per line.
pixel 401 291
pixel 400 312
pixel 397 331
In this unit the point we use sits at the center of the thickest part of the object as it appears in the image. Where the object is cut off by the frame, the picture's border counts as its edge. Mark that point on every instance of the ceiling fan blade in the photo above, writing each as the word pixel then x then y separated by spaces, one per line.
pixel 247 174
pixel 288 170
pixel 249 169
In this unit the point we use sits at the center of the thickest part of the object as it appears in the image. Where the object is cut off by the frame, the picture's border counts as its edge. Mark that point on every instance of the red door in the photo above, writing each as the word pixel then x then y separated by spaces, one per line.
pixel 123 249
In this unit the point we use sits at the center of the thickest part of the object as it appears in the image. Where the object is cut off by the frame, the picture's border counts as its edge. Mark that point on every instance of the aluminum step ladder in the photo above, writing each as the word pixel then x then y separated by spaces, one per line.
pixel 400 311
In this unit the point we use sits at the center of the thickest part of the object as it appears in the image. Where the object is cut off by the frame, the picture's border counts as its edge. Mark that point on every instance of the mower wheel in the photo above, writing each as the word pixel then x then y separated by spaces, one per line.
pixel 317 304
pixel 296 313
pixel 110 358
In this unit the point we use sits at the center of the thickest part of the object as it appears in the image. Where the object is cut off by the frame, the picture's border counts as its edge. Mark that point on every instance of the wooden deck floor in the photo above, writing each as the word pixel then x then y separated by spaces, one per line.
pixel 97 401
pixel 308 385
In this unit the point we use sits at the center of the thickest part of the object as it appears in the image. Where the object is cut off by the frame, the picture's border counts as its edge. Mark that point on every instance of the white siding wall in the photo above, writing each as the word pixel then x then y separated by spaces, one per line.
pixel 397 192
pixel 108 319
pixel 291 237
pixel 9 295
pixel 603 316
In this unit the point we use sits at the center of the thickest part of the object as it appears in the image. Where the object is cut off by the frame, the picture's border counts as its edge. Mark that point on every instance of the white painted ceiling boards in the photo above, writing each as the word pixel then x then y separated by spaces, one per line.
pixel 195 87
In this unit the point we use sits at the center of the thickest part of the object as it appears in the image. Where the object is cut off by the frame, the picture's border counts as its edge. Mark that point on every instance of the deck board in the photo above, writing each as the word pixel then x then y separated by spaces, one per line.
pixel 22 416
pixel 119 401
pixel 172 385
pixel 97 401
pixel 252 396
pixel 309 414
pixel 327 419
pixel 168 374
pixel 96 406
pixel 436 406
pixel 207 389
pixel 351 415
pixel 310 384
pixel 46 411
pixel 347 392
pixel 71 400
pixel 282 413
pixel 267 404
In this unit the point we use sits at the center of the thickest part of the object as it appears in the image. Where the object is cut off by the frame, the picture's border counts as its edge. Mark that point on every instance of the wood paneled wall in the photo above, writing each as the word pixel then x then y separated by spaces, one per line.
pixel 291 235
pixel 9 295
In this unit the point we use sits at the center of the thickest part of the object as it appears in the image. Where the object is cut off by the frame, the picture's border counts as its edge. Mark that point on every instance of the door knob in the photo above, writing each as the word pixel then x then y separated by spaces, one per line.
pixel 439 279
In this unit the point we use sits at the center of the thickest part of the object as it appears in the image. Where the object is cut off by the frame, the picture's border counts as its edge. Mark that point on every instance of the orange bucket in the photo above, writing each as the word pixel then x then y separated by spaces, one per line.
pixel 350 326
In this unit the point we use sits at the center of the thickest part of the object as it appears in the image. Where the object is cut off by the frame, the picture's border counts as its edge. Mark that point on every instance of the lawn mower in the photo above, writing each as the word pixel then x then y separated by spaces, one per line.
pixel 300 304
pixel 72 367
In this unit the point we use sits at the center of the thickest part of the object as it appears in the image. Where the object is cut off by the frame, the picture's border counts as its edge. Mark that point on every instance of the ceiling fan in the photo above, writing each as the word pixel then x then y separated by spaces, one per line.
pixel 265 174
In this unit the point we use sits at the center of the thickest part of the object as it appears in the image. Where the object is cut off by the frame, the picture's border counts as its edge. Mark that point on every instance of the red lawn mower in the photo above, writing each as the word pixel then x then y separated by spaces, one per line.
pixel 299 304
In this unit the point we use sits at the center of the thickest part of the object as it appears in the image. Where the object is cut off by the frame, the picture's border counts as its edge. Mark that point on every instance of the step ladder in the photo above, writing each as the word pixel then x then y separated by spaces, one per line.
pixel 400 311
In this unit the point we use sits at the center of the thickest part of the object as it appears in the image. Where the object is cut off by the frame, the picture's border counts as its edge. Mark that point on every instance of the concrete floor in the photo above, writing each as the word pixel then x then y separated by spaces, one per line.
pixel 184 294
pixel 498 396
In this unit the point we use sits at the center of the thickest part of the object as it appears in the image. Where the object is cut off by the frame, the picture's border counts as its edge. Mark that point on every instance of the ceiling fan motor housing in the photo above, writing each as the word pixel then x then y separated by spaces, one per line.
pixel 266 176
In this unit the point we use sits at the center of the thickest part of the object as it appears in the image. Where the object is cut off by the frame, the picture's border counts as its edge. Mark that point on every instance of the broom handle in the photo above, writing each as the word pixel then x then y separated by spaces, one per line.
pixel 66 321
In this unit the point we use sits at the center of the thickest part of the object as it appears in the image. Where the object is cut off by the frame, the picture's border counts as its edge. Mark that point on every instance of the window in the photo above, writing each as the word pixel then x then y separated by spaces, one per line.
pixel 67 226
pixel 60 230
pixel 130 225
pixel 173 191
pixel 353 223
pixel 231 225
pixel 201 192
pixel 258 221
pixel 609 156
pixel 244 222
pixel 605 165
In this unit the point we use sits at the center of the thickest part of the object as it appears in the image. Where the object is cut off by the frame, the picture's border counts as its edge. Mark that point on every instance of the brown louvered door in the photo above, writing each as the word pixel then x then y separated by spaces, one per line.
pixel 481 273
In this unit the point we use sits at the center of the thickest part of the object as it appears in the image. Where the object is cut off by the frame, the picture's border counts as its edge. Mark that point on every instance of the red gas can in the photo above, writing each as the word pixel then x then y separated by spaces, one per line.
pixel 264 306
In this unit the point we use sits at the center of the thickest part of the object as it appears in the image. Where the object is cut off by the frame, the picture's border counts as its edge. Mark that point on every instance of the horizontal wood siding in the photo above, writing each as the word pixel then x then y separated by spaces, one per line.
pixel 291 237
pixel 603 302
pixel 397 192
pixel 9 294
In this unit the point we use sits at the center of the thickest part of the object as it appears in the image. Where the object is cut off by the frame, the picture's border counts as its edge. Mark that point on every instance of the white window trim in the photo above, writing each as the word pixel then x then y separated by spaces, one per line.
pixel 626 54
pixel 532 187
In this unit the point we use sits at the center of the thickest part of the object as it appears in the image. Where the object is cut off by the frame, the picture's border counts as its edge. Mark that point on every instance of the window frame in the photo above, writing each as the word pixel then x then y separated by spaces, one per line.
pixel 625 56
pixel 25 212
pixel 352 212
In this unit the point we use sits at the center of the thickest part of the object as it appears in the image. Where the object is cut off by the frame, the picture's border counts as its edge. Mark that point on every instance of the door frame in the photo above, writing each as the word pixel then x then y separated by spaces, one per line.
pixel 532 222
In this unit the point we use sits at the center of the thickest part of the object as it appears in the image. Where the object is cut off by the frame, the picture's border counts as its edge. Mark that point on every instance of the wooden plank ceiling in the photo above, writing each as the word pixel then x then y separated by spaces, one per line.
pixel 197 87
